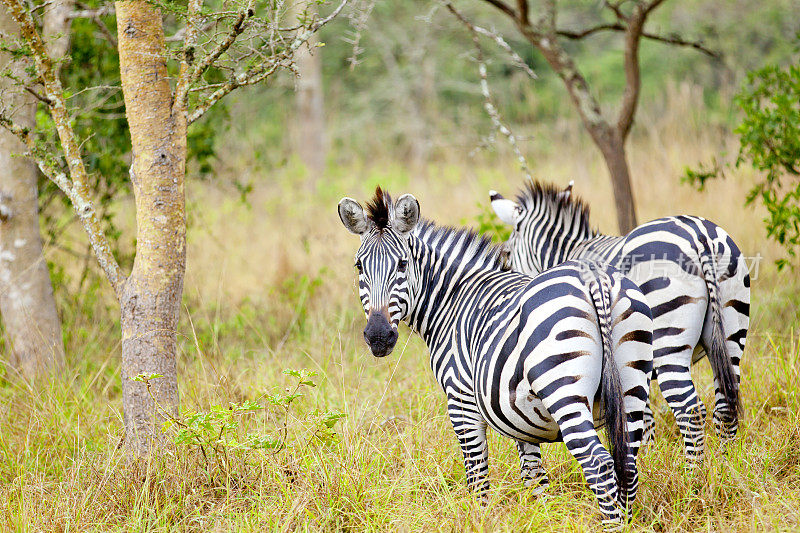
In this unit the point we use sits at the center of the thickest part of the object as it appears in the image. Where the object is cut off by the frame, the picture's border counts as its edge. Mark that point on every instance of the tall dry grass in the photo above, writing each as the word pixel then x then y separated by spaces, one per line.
pixel 271 286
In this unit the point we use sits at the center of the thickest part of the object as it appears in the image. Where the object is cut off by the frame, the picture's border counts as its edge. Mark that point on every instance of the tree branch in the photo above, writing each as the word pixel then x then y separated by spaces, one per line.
pixel 76 187
pixel 633 81
pixel 187 55
pixel 499 4
pixel 497 38
pixel 491 109
pixel 522 9
pixel 673 39
pixel 260 72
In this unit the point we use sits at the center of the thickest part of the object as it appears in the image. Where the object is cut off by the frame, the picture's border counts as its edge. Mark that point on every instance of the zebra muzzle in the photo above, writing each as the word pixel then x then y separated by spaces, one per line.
pixel 379 334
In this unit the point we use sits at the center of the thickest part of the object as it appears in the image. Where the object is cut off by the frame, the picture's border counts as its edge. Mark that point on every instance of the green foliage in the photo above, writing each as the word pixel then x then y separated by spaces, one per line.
pixel 489 224
pixel 90 76
pixel 769 141
pixel 220 434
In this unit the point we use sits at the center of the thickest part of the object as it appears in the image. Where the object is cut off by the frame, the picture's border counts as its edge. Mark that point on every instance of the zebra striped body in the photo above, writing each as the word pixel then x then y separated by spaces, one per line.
pixel 537 359
pixel 695 279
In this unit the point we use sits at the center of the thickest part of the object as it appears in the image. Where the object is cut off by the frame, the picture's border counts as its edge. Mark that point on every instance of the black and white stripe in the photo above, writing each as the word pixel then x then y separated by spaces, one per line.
pixel 693 274
pixel 539 359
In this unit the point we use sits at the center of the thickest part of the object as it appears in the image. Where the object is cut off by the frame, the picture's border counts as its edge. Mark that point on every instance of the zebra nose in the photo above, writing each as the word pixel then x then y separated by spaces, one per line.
pixel 379 334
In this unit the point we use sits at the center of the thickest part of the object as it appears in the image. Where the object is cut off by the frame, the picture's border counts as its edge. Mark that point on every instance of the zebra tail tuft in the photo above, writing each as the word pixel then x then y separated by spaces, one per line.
pixel 718 355
pixel 611 394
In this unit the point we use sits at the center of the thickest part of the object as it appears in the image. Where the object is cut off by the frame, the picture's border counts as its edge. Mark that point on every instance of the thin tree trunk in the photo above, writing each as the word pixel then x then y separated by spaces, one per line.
pixel 32 326
pixel 613 149
pixel 150 298
pixel 310 142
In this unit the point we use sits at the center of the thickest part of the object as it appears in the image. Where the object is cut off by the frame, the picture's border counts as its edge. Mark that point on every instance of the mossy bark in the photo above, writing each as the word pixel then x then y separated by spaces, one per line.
pixel 150 298
pixel 32 326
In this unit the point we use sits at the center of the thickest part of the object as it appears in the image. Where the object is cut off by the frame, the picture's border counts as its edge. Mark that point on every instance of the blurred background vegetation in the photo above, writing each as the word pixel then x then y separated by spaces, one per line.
pixel 269 281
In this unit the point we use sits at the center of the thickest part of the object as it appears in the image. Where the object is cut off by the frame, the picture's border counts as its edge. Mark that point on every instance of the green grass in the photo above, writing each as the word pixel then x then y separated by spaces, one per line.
pixel 271 286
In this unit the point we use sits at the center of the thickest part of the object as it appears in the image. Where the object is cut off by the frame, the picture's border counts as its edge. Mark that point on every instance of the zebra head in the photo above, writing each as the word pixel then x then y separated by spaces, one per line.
pixel 382 262
pixel 546 223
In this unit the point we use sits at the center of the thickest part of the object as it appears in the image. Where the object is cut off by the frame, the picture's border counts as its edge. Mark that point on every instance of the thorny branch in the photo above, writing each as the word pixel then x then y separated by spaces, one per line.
pixel 491 109
pixel 279 58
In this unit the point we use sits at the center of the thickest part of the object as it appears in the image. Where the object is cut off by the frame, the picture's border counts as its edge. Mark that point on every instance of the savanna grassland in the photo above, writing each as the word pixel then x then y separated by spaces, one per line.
pixel 270 286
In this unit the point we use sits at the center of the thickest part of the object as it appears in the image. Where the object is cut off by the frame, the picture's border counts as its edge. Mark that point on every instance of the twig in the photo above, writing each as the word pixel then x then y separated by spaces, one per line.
pixel 496 37
pixel 491 109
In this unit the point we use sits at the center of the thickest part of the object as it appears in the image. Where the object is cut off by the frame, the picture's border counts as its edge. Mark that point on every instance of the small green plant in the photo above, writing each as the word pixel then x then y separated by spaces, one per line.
pixel 220 435
pixel 488 224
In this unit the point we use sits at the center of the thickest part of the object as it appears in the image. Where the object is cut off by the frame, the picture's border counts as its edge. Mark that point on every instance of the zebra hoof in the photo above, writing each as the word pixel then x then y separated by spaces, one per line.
pixel 538 485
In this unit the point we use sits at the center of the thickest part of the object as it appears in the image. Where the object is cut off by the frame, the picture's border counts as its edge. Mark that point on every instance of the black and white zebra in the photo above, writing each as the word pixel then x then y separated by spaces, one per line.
pixel 538 359
pixel 693 274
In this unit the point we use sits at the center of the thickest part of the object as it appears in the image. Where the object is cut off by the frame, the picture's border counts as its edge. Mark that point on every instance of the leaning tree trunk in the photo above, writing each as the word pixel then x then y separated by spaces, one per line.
pixel 150 298
pixel 309 137
pixel 32 326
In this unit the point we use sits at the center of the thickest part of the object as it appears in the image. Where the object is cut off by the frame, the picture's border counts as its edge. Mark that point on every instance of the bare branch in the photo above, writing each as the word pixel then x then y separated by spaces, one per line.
pixel 497 38
pixel 359 23
pixel 522 9
pixel 677 40
pixel 491 109
pixel 260 72
pixel 673 39
pixel 238 27
pixel 105 31
pixel 38 96
pixel 92 13
pixel 187 55
pixel 576 35
pixel 633 81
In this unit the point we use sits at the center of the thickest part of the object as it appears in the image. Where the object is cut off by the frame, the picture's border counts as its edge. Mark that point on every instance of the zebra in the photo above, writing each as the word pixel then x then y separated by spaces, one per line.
pixel 538 359
pixel 696 281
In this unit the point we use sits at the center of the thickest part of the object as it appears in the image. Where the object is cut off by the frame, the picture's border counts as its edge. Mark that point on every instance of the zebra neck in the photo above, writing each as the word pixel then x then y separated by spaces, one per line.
pixel 439 283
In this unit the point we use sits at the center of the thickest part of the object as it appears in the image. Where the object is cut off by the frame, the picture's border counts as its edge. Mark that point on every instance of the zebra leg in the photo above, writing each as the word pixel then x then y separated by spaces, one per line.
pixel 470 428
pixel 649 425
pixel 675 379
pixel 530 466
pixel 735 296
pixel 580 436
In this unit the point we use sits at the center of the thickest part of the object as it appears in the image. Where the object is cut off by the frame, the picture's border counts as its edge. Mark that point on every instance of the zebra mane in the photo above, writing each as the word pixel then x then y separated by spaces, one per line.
pixel 569 210
pixel 464 243
pixel 379 208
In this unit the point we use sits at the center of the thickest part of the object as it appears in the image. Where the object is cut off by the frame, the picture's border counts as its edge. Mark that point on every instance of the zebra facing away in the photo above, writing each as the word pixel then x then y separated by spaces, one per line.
pixel 695 279
pixel 538 359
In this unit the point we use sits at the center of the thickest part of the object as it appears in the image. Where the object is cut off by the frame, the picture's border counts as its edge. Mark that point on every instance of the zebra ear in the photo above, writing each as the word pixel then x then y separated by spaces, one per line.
pixel 506 210
pixel 406 214
pixel 352 215
pixel 566 193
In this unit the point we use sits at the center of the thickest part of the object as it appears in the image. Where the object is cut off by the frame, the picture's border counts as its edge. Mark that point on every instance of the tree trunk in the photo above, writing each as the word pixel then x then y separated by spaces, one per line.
pixel 150 298
pixel 613 149
pixel 32 326
pixel 310 131
pixel 55 27
pixel 607 138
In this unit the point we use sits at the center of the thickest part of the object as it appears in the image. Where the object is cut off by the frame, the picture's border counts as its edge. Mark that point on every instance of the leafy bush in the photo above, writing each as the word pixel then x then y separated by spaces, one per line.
pixel 220 435
pixel 769 141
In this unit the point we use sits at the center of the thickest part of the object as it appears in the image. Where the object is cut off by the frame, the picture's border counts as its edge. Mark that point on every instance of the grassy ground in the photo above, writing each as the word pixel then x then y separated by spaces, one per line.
pixel 271 286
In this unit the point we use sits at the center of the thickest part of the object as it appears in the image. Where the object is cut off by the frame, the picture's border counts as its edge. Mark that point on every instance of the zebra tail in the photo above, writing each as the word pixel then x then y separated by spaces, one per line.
pixel 611 394
pixel 718 355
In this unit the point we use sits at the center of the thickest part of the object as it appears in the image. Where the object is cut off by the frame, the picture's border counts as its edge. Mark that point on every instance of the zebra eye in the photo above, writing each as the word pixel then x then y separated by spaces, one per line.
pixel 358 266
pixel 401 265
